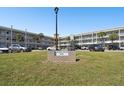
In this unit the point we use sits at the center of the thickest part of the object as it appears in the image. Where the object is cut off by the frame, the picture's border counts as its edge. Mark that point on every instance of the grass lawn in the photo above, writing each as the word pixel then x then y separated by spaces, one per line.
pixel 94 68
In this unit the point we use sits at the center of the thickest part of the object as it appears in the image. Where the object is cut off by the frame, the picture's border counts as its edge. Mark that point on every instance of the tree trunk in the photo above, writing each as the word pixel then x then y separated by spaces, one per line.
pixel 112 42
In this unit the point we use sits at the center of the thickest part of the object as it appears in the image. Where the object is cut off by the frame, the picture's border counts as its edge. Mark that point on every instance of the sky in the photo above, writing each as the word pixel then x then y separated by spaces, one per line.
pixel 71 20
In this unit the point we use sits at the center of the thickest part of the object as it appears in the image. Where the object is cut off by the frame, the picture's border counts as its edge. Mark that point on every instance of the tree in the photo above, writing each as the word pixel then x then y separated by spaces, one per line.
pixel 38 38
pixel 68 38
pixel 113 36
pixel 72 45
pixel 19 37
pixel 101 35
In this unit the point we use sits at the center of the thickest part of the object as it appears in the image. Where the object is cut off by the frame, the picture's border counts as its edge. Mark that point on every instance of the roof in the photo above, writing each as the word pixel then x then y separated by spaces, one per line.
pixel 22 31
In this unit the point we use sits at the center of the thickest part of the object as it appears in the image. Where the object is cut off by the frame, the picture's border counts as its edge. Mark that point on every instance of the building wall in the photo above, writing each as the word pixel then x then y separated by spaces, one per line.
pixel 85 39
pixel 28 38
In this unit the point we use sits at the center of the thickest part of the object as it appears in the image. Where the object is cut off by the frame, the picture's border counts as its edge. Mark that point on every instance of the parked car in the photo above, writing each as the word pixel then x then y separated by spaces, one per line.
pixel 121 48
pixel 96 48
pixel 3 49
pixel 17 48
pixel 28 49
pixel 84 48
pixel 113 47
pixel 51 48
pixel 40 48
pixel 77 47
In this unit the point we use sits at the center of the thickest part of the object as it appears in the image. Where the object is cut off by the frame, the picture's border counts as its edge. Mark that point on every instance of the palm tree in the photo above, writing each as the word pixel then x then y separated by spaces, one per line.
pixel 72 45
pixel 101 35
pixel 35 38
pixel 113 36
pixel 19 37
pixel 38 38
pixel 41 36
pixel 68 38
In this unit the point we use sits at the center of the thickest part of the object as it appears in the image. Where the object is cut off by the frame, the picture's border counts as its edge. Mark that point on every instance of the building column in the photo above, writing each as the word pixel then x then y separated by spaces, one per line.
pixel 96 37
pixel 81 40
pixel 25 37
pixel 11 33
pixel 92 39
pixel 119 38
pixel 6 39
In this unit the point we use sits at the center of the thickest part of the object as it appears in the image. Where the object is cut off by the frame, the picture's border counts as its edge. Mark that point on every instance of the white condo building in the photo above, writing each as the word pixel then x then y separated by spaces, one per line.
pixel 8 36
pixel 88 38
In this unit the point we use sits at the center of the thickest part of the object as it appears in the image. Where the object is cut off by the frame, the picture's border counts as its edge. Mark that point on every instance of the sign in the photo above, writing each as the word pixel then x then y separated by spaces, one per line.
pixel 61 56
pixel 61 53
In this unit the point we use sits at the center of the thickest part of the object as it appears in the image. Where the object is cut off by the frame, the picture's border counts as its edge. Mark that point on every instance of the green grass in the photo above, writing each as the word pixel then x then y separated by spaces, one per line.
pixel 94 68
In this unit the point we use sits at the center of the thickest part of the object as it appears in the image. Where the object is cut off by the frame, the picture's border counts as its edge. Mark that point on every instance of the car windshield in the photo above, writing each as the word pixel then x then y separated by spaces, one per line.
pixel 100 45
pixel 15 45
pixel 22 45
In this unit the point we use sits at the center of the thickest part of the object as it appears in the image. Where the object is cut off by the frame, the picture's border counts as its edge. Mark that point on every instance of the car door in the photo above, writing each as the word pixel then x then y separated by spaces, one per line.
pixel 15 47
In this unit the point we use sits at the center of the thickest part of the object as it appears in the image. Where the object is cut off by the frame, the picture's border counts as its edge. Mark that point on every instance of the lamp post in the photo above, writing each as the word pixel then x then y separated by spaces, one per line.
pixel 56 9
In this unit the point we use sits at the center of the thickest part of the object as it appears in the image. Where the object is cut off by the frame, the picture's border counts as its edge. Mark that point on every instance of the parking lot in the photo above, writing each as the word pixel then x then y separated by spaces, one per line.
pixel 104 51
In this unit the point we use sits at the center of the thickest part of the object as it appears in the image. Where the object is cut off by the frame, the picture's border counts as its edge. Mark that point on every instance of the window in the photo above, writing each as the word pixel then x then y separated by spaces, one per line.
pixel 7 32
pixel 7 38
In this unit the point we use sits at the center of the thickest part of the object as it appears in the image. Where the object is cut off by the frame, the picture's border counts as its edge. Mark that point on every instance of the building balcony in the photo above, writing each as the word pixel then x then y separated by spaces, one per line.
pixel 64 40
pixel 64 44
pixel 89 38
pixel 121 34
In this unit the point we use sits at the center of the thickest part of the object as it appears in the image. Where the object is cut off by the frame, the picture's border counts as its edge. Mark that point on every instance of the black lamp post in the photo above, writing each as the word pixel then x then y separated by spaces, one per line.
pixel 56 9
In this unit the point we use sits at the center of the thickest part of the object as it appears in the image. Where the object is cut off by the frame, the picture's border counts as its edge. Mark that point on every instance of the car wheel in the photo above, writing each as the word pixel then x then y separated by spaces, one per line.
pixel 90 50
pixel 10 51
pixel 21 50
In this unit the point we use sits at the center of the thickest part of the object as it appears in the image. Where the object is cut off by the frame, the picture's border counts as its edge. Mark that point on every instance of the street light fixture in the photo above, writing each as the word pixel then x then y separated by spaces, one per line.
pixel 56 9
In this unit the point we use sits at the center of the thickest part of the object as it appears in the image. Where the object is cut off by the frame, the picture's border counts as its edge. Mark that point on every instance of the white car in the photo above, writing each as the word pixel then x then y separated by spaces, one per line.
pixel 121 48
pixel 3 49
pixel 51 48
pixel 84 48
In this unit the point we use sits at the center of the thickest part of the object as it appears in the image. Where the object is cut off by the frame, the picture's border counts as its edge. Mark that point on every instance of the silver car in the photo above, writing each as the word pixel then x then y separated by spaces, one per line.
pixel 17 48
